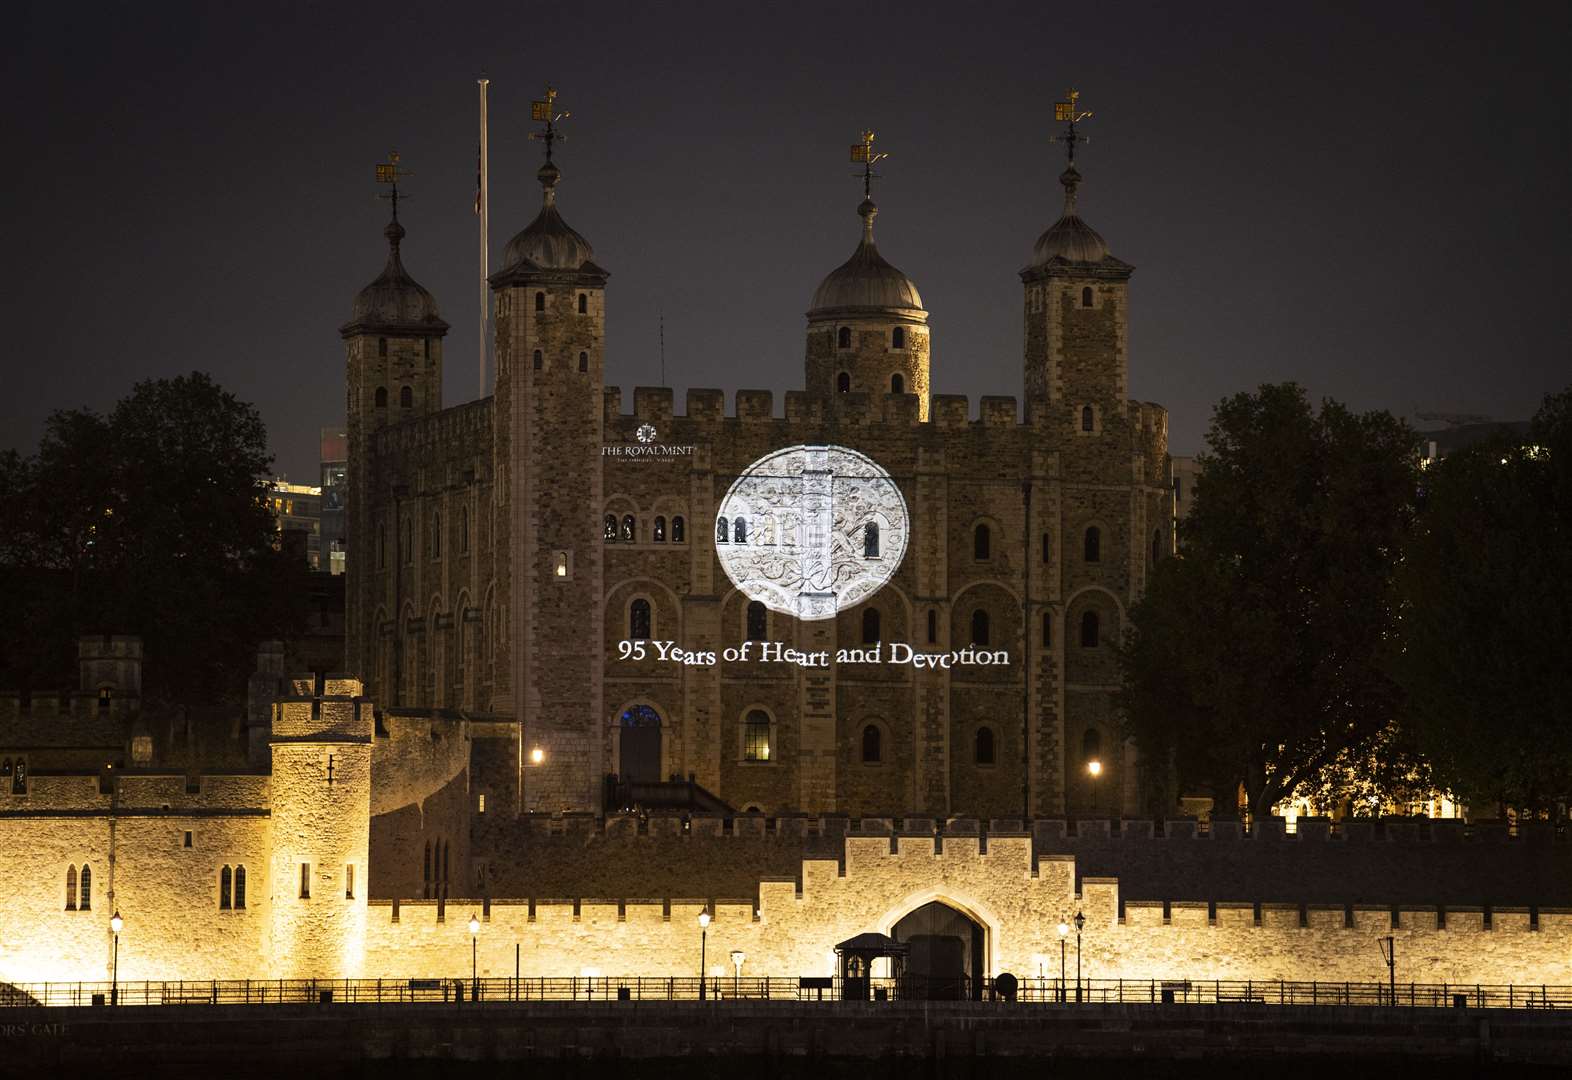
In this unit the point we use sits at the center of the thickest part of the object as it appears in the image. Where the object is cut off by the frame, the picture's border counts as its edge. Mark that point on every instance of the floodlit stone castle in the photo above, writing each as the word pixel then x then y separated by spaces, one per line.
pixel 569 713
pixel 504 550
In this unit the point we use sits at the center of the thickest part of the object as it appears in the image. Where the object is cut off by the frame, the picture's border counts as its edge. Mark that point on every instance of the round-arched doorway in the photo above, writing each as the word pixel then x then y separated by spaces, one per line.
pixel 946 957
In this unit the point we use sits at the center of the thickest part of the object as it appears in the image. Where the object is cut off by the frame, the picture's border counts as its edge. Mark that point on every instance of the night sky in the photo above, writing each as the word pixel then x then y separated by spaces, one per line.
pixel 1373 199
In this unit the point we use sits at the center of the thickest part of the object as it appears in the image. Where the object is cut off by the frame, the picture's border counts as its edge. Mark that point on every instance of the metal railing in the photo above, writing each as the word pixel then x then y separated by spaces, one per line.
pixel 729 990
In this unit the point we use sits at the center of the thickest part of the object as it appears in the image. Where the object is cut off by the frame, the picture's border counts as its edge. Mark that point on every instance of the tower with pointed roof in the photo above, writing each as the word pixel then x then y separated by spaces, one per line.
pixel 867 328
pixel 550 347
pixel 393 359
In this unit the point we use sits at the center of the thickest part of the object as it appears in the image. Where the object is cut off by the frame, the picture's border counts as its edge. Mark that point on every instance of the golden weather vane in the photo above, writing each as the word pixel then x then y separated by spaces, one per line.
pixel 389 173
pixel 1068 113
pixel 545 112
pixel 862 153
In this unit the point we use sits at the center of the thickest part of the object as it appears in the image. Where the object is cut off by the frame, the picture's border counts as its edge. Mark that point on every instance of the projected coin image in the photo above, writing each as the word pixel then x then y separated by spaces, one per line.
pixel 811 530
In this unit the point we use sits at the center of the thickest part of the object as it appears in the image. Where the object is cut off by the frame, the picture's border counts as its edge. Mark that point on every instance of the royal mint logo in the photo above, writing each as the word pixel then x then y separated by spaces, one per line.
pixel 812 530
pixel 646 448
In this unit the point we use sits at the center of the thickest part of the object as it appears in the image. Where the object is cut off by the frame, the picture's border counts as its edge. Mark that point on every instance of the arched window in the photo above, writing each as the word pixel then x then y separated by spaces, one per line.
pixel 739 530
pixel 1086 296
pixel 540 301
pixel 426 346
pixel 843 383
pixel 679 530
pixel 979 627
pixel 85 898
pixel 659 533
pixel 982 542
pixel 226 879
pixel 463 529
pixel 436 535
pixel 872 751
pixel 933 625
pixel 721 530
pixel 1047 629
pixel 870 540
pixel 538 361
pixel 897 384
pixel 758 621
pixel 1089 629
pixel 425 872
pixel 1157 545
pixel 898 340
pixel 870 626
pixel 70 885
pixel 983 751
pixel 1091 744
pixel 583 361
pixel 756 736
pixel 629 528
pixel 1093 547
pixel 583 304
pixel 639 620
pixel 1088 419
pixel 382 397
pixel 611 528
pixel 382 346
pixel 240 888
pixel 1047 548
pixel 406 397
pixel 843 337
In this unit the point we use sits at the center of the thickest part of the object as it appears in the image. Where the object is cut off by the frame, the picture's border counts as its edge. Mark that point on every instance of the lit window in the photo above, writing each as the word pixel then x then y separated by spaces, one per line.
pixel 659 534
pixel 481 806
pixel 756 736
pixel 611 528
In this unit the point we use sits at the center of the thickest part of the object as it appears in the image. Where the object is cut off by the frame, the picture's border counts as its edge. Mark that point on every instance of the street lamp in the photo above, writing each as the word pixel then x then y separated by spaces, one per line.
pixel 1080 921
pixel 1095 769
pixel 737 958
pixel 704 933
pixel 474 957
pixel 1064 935
pixel 115 924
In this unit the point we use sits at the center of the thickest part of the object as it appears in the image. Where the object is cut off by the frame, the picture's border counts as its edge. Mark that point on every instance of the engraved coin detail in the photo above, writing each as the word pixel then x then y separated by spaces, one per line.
pixel 812 530
pixel 646 433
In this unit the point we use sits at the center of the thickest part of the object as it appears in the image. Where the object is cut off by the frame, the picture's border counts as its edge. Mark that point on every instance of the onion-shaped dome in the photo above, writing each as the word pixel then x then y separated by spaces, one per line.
pixel 866 283
pixel 548 242
pixel 394 302
pixel 1070 238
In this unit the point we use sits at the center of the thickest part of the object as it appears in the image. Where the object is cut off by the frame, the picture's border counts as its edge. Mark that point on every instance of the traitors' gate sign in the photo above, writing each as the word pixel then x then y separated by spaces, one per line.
pixel 812 530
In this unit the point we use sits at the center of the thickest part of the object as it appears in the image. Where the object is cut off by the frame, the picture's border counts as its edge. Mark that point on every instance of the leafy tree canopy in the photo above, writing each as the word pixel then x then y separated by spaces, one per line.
pixel 1487 617
pixel 150 521
pixel 1261 656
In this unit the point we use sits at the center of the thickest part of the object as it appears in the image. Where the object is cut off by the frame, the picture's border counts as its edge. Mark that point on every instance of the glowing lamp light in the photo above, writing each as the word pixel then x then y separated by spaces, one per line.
pixel 536 756
pixel 1094 767
pixel 116 923
pixel 1064 929
pixel 704 920
pixel 474 925
pixel 737 957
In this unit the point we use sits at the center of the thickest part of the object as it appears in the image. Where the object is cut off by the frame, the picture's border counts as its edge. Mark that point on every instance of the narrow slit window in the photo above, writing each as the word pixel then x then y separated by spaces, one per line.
pixel 871 744
pixel 70 888
pixel 1089 630
pixel 982 543
pixel 240 888
pixel 980 627
pixel 897 384
pixel 843 337
pixel 349 881
pixel 1088 419
pixel 933 626
pixel 758 621
pixel 86 902
pixel 1094 544
pixel 1047 629
pixel 843 383
pixel 305 881
pixel 722 531
pixel 659 533
pixel 538 361
pixel 583 361
pixel 983 754
pixel 870 626
pixel 679 530
pixel 540 301
pixel 1086 296
pixel 225 888
pixel 870 540
pixel 583 304
pixel 382 346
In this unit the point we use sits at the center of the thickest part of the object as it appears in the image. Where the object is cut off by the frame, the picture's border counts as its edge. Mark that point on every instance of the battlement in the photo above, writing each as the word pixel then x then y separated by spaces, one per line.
pixel 330 708
pixel 707 409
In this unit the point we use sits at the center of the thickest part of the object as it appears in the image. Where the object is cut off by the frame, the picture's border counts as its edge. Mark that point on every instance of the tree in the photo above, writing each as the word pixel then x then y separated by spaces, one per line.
pixel 150 521
pixel 1259 658
pixel 1487 617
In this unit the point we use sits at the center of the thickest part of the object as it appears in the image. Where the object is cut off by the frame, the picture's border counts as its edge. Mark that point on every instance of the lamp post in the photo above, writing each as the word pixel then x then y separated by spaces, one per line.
pixel 704 933
pixel 474 957
pixel 115 923
pixel 1080 921
pixel 1064 935
pixel 737 957
pixel 1094 768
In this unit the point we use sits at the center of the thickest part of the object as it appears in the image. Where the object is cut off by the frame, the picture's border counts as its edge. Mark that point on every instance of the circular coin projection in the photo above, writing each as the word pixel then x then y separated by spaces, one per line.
pixel 811 530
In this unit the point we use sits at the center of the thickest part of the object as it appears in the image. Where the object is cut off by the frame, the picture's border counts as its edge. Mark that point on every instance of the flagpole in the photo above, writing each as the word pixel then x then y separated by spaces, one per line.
pixel 484 208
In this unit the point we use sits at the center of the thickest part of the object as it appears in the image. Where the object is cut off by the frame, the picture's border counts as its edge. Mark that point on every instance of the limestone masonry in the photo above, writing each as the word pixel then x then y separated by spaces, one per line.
pixel 562 717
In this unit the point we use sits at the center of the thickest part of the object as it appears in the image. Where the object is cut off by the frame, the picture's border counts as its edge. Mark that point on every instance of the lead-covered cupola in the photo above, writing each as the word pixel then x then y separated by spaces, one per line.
pixel 867 327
